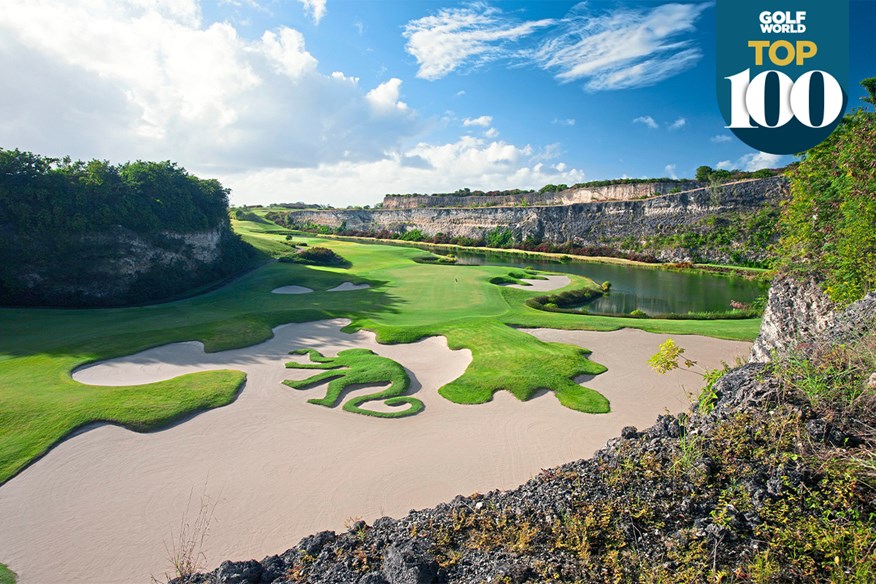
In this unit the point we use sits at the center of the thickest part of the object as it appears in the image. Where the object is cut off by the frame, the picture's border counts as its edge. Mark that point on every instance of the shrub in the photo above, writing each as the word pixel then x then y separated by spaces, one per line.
pixel 639 314
pixel 321 256
pixel 827 226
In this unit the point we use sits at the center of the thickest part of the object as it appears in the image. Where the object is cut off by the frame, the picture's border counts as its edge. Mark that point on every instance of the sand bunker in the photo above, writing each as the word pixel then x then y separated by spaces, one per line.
pixel 292 290
pixel 102 505
pixel 348 286
pixel 551 283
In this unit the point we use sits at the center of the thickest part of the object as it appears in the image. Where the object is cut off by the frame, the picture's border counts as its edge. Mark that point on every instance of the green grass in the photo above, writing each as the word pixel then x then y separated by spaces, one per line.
pixel 358 366
pixel 40 403
pixel 7 576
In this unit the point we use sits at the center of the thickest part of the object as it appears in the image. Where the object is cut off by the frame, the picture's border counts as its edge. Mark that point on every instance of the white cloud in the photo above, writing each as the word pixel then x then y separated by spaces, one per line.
pixel 256 113
pixel 648 121
pixel 678 124
pixel 385 96
pixel 173 87
pixel 610 49
pixel 760 160
pixel 670 171
pixel 566 122
pixel 315 9
pixel 287 53
pixel 755 161
pixel 720 139
pixel 473 35
pixel 483 121
pixel 622 48
pixel 469 162
pixel 460 93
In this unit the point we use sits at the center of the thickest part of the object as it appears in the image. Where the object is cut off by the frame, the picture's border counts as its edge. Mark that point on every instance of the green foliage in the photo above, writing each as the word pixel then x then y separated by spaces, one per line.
pixel 442 260
pixel 412 235
pixel 568 301
pixel 244 215
pixel 870 85
pixel 500 237
pixel 606 286
pixel 638 313
pixel 708 396
pixel 47 195
pixel 60 219
pixel 7 576
pixel 316 256
pixel 358 366
pixel 551 188
pixel 738 235
pixel 707 174
pixel 668 357
pixel 828 224
pixel 321 256
pixel 704 173
pixel 630 181
pixel 837 375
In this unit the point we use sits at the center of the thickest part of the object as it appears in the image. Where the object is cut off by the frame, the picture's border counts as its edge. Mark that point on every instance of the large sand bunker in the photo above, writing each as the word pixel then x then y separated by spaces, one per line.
pixel 101 507
pixel 549 283
pixel 292 290
pixel 348 287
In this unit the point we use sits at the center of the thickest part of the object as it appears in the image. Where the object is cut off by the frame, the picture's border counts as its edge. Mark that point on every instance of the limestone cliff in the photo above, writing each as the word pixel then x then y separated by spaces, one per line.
pixel 616 192
pixel 605 223
pixel 119 266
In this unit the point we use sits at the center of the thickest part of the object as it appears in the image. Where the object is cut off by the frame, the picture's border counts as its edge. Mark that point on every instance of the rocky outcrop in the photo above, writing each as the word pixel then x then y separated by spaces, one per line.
pixel 799 314
pixel 119 266
pixel 585 224
pixel 657 501
pixel 618 192
pixel 795 310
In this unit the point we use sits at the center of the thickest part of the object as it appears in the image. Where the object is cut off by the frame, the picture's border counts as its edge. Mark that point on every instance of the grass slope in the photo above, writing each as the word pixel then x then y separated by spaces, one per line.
pixel 407 301
pixel 7 576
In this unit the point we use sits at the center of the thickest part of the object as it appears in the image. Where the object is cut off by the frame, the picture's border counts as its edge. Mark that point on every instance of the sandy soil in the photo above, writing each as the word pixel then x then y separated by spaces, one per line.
pixel 292 290
pixel 552 283
pixel 348 286
pixel 102 506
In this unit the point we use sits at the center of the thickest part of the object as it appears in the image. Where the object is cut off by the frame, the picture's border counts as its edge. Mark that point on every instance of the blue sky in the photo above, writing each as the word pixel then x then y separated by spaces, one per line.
pixel 341 101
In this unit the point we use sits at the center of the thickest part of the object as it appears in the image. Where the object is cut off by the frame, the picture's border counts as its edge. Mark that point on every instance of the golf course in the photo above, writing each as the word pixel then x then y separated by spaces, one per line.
pixel 387 349
pixel 406 301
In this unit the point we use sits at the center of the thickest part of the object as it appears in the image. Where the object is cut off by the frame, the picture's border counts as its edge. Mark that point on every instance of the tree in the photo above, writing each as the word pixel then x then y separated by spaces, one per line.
pixel 704 173
pixel 870 85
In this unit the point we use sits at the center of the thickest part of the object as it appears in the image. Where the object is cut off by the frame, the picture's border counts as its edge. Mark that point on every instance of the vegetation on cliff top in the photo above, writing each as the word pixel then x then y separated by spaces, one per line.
pixel 65 224
pixel 829 224
pixel 48 195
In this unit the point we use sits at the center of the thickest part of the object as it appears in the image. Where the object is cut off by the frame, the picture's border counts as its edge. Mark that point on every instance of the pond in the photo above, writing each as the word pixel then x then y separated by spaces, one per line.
pixel 633 287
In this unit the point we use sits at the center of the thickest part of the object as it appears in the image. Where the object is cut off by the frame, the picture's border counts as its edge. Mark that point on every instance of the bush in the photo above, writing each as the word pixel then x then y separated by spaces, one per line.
pixel 639 314
pixel 567 301
pixel 828 225
pixel 319 256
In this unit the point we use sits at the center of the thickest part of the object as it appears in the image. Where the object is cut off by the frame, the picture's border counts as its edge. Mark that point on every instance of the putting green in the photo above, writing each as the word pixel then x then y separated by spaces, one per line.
pixel 40 403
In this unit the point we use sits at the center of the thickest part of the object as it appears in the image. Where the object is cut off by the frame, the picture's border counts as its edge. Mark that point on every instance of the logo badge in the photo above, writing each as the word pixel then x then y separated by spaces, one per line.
pixel 781 67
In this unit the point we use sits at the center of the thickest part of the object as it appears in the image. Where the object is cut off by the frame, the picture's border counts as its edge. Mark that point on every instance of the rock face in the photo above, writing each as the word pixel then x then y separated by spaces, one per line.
pixel 619 192
pixel 795 310
pixel 528 534
pixel 119 266
pixel 596 223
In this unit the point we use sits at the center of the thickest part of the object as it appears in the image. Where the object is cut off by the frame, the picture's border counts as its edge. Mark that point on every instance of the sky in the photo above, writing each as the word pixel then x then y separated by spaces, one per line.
pixel 342 101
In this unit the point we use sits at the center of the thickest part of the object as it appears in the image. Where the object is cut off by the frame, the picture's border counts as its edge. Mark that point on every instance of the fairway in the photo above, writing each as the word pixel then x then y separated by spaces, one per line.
pixel 405 301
